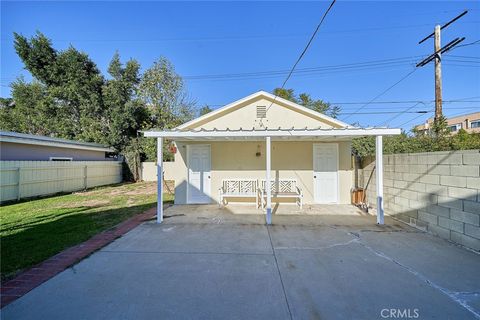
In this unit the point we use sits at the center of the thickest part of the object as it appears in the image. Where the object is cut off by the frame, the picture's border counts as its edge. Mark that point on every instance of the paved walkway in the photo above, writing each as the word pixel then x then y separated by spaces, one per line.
pixel 33 277
pixel 215 265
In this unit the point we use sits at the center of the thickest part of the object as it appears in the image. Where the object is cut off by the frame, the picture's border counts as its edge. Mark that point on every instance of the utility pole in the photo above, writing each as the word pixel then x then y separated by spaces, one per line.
pixel 438 74
pixel 436 56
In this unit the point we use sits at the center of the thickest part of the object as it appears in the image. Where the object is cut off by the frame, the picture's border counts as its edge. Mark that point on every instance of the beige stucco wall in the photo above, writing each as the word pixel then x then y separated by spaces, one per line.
pixel 278 115
pixel 236 159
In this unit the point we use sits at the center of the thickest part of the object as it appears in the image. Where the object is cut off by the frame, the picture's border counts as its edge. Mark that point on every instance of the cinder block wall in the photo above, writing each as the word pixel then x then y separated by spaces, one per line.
pixel 435 191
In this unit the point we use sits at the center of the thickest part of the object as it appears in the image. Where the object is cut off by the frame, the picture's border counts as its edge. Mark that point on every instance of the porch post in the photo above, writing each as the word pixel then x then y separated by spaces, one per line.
pixel 159 180
pixel 379 176
pixel 268 182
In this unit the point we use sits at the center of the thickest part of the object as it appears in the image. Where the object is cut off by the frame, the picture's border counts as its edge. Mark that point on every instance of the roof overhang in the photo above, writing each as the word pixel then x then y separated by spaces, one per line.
pixel 14 137
pixel 344 134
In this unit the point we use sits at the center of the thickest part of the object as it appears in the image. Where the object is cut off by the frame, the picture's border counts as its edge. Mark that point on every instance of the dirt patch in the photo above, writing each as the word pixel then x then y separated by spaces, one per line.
pixel 130 202
pixel 130 189
pixel 88 204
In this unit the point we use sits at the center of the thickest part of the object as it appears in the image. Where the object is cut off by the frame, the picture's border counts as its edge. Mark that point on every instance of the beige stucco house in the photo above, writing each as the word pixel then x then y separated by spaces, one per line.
pixel 263 149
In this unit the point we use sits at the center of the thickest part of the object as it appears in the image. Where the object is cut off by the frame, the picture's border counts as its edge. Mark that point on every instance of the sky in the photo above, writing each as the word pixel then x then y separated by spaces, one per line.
pixel 222 49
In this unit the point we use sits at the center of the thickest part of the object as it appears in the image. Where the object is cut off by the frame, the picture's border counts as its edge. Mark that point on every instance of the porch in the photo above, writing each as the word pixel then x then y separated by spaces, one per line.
pixel 282 214
pixel 325 164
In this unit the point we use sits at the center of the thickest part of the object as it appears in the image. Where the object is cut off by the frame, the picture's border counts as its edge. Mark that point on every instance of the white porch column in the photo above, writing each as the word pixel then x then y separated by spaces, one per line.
pixel 159 180
pixel 268 182
pixel 379 176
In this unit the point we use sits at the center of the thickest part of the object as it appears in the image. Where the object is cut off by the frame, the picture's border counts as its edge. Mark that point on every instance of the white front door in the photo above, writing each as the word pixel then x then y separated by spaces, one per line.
pixel 325 172
pixel 198 189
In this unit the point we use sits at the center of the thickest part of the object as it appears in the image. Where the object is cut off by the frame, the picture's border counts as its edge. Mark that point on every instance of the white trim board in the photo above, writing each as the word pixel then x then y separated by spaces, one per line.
pixel 280 133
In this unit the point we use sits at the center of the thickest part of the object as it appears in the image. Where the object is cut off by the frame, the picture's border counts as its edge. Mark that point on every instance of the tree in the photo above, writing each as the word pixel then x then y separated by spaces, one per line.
pixel 71 81
pixel 306 100
pixel 125 114
pixel 32 112
pixel 70 98
pixel 204 110
pixel 287 94
pixel 162 90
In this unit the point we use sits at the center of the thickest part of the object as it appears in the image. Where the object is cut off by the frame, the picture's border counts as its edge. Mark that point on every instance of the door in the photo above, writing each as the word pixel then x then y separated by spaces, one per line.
pixel 325 172
pixel 198 189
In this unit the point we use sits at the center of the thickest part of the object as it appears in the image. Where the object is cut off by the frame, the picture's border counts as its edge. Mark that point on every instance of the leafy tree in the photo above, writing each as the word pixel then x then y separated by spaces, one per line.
pixel 204 110
pixel 306 100
pixel 70 98
pixel 288 94
pixel 125 113
pixel 162 91
pixel 33 111
pixel 404 143
pixel 71 80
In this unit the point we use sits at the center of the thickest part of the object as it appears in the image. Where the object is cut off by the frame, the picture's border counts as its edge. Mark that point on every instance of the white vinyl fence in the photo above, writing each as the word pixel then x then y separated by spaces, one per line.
pixel 24 179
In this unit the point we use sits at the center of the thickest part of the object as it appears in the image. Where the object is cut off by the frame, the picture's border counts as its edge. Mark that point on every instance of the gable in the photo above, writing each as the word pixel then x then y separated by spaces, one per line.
pixel 247 114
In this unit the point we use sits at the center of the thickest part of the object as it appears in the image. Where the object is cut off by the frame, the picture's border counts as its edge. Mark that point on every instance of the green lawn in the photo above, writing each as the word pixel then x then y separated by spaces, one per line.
pixel 35 230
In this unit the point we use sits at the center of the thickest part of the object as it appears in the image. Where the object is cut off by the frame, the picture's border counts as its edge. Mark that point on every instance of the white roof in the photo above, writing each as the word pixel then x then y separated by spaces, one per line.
pixel 267 95
pixel 280 134
pixel 15 137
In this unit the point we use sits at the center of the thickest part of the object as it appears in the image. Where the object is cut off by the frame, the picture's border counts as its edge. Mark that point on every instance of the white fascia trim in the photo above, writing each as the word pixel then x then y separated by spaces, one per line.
pixel 268 95
pixel 53 144
pixel 275 133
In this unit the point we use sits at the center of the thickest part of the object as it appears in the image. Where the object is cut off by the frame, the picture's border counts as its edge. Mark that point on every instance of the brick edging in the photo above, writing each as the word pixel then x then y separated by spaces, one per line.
pixel 29 279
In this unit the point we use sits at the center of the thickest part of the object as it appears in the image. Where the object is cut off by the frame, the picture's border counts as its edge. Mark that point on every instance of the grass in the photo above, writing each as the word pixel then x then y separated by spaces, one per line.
pixel 35 230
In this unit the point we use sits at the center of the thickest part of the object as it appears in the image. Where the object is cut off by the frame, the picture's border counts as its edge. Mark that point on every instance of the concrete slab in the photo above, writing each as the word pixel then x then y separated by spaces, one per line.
pixel 208 263
pixel 194 238
pixel 446 264
pixel 136 285
pixel 349 282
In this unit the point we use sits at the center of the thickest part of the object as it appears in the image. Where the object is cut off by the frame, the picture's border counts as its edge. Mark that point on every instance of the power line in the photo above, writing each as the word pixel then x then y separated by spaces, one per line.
pixel 399 114
pixel 415 118
pixel 305 49
pixel 240 37
pixel 459 100
pixel 383 92
pixel 466 57
pixel 384 112
pixel 444 26
pixel 309 43
pixel 468 44
pixel 370 63
pixel 462 100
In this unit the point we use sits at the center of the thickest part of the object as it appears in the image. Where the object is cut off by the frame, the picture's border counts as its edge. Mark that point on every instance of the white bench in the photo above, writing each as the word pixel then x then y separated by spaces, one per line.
pixel 238 188
pixel 282 188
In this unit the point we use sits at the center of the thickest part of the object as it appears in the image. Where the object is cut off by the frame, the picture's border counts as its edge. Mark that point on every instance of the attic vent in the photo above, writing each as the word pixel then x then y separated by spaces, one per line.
pixel 261 111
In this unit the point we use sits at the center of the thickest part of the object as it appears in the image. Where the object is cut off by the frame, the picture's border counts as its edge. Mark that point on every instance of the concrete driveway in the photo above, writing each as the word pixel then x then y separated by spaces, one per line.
pixel 211 264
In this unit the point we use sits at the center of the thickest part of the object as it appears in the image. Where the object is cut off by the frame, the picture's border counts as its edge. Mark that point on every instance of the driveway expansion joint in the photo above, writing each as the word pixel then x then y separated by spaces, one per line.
pixel 279 273
pixel 457 297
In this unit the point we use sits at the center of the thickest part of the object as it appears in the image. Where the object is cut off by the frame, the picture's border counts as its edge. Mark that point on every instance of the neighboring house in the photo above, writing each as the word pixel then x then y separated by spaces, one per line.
pixel 246 138
pixel 19 146
pixel 469 122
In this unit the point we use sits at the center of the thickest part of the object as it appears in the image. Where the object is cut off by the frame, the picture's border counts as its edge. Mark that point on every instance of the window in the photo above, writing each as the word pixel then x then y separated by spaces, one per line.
pixel 261 112
pixel 455 127
pixel 60 159
pixel 475 124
